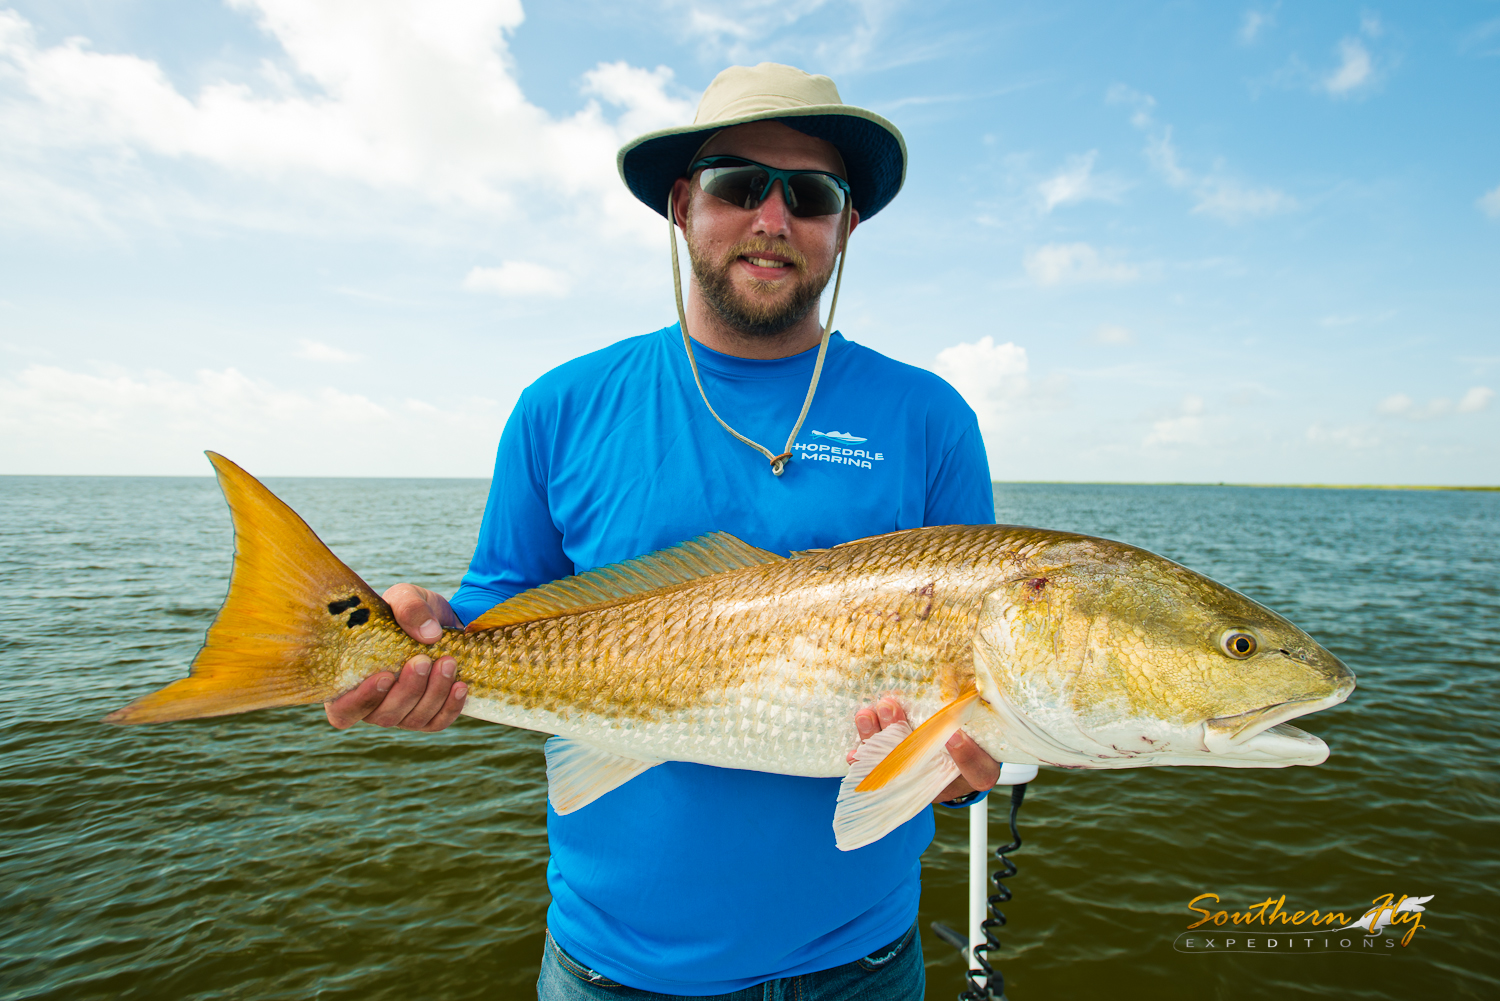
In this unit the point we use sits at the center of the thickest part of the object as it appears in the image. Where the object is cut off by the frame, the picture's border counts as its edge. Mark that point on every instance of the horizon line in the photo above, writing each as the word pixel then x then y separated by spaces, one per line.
pixel 993 483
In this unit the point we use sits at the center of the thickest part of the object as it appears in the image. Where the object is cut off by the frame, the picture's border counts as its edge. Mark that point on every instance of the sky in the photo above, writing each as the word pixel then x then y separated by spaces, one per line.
pixel 1180 242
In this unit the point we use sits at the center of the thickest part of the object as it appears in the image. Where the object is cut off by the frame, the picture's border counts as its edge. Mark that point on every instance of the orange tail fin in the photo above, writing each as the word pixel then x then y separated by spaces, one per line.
pixel 262 649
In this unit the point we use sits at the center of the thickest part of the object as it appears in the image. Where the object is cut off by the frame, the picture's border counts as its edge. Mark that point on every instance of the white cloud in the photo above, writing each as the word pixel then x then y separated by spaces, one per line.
pixel 1074 263
pixel 724 26
pixel 1490 203
pixel 1355 71
pixel 1355 436
pixel 401 97
pixel 1253 23
pixel 729 32
pixel 1229 201
pixel 57 420
pixel 1480 39
pixel 1402 405
pixel 1143 104
pixel 1111 334
pixel 1396 404
pixel 642 94
pixel 992 378
pixel 1214 194
pixel 1184 429
pixel 1163 156
pixel 1075 183
pixel 1475 400
pixel 318 351
pixel 1481 363
pixel 518 278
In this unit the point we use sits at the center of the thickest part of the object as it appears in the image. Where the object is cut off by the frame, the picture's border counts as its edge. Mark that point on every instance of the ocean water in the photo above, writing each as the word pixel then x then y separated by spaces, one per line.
pixel 269 856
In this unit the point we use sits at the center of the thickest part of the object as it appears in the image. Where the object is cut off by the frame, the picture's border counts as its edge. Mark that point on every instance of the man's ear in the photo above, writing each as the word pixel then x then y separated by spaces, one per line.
pixel 853 222
pixel 682 193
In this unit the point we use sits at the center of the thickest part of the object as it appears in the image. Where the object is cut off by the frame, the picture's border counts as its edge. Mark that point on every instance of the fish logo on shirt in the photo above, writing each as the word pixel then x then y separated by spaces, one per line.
pixel 839 436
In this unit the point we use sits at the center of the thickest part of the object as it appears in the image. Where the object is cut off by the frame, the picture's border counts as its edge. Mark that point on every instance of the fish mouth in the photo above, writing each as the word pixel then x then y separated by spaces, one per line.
pixel 1265 733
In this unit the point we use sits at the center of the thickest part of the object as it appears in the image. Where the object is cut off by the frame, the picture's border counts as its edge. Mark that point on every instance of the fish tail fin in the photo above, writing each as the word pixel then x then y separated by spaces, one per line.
pixel 286 593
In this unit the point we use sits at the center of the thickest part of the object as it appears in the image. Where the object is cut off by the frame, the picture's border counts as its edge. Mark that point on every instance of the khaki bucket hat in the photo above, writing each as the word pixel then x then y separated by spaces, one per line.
pixel 872 148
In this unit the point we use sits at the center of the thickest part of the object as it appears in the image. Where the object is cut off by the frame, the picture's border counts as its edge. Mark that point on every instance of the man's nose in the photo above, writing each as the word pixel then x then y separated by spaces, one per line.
pixel 772 216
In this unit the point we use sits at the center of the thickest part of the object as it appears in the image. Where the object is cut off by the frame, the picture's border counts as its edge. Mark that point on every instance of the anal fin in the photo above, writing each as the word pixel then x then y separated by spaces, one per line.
pixel 579 772
pixel 862 818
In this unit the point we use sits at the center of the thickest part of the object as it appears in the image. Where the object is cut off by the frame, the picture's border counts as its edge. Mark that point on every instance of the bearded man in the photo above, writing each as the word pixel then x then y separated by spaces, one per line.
pixel 691 880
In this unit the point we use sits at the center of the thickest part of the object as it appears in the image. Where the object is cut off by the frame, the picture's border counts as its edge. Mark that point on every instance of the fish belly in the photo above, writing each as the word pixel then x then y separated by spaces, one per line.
pixel 786 731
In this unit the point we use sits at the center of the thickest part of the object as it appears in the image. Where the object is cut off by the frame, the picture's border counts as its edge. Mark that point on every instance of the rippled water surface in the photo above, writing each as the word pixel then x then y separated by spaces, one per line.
pixel 268 856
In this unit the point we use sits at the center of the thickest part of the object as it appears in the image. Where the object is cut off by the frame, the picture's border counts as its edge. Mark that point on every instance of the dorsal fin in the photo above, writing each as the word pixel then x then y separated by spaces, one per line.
pixel 799 553
pixel 704 556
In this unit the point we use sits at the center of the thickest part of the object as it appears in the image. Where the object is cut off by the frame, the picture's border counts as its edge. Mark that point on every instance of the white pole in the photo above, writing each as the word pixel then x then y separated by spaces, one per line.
pixel 979 854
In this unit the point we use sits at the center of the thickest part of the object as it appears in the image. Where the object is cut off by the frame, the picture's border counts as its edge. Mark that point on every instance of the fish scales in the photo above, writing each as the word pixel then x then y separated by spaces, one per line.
pixel 792 648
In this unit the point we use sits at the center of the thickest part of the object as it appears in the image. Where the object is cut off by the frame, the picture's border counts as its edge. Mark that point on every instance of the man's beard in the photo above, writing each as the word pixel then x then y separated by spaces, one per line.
pixel 758 314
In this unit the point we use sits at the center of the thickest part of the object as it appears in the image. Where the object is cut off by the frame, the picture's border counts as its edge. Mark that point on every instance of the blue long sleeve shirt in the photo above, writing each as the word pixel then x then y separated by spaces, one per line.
pixel 691 879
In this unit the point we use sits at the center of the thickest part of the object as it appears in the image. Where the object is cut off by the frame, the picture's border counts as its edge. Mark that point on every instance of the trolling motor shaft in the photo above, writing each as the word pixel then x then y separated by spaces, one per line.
pixel 983 981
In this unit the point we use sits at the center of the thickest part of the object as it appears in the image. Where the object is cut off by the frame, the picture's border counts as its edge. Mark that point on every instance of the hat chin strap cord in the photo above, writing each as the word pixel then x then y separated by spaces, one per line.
pixel 778 462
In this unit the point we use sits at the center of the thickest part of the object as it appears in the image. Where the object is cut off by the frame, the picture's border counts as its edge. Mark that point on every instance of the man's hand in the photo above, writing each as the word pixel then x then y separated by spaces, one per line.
pixel 977 770
pixel 424 696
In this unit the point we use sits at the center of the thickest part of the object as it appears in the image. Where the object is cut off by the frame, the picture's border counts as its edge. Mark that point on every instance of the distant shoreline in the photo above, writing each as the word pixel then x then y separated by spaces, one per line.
pixel 995 483
pixel 1253 486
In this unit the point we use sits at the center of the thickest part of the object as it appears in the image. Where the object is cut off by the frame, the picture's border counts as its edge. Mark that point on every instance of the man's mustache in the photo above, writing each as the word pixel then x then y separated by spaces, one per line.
pixel 765 248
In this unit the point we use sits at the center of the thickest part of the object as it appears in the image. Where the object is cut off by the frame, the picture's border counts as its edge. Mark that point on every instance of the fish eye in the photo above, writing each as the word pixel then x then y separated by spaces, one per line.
pixel 1238 644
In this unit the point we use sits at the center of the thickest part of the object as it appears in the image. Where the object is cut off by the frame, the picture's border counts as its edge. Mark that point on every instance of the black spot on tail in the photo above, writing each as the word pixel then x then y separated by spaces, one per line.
pixel 343 605
pixel 359 617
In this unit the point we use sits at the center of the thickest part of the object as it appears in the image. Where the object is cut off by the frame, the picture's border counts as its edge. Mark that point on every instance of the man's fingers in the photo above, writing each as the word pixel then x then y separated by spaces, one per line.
pixel 435 696
pixel 404 695
pixel 866 725
pixel 957 788
pixel 978 769
pixel 422 696
pixel 414 613
pixel 872 719
pixel 452 707
pixel 357 703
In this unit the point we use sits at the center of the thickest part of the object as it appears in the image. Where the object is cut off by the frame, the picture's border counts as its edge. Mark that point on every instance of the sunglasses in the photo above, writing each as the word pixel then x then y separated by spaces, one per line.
pixel 746 183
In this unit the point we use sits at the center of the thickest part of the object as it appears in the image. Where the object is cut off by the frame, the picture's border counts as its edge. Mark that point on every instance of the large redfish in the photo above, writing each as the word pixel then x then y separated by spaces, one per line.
pixel 1046 647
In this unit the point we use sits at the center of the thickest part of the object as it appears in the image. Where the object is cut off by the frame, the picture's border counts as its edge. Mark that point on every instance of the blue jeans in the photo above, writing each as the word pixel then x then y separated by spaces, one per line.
pixel 892 973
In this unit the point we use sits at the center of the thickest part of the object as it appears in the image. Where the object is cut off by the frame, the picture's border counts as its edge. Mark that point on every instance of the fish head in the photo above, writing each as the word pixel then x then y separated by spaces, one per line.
pixel 1102 655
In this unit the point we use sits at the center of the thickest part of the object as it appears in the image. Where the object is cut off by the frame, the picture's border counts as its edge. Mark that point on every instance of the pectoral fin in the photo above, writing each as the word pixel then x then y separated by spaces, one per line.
pixel 862 818
pixel 579 773
pixel 924 742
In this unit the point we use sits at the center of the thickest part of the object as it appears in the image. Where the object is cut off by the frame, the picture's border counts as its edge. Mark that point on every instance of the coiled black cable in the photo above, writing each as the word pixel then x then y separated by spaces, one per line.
pixel 993 988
